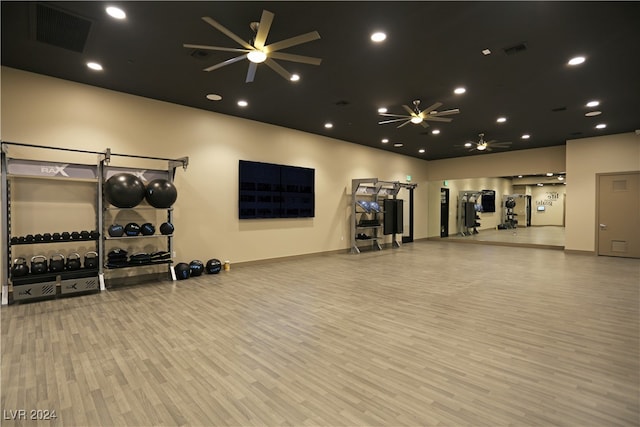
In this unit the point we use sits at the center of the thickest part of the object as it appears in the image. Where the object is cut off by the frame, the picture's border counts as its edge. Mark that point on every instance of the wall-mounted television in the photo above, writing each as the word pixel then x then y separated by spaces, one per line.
pixel 268 190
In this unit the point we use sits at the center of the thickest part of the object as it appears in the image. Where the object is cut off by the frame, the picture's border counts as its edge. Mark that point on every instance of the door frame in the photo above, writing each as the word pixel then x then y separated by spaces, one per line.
pixel 444 219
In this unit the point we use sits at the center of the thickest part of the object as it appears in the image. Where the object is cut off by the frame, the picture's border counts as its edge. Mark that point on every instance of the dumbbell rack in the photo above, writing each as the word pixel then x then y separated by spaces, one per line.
pixel 68 282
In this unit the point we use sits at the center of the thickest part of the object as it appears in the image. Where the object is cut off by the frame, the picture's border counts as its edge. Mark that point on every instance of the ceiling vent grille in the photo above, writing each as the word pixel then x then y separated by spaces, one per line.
pixel 518 48
pixel 61 29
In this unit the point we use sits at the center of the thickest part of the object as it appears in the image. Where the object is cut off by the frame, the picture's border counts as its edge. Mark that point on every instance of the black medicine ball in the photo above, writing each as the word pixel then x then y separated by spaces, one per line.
pixel 147 229
pixel 132 229
pixel 166 228
pixel 161 193
pixel 116 230
pixel 124 190
pixel 182 271
pixel 213 266
pixel 196 267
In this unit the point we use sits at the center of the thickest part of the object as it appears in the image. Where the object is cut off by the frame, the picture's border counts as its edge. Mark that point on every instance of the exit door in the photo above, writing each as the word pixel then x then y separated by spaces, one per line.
pixel 444 212
pixel 618 197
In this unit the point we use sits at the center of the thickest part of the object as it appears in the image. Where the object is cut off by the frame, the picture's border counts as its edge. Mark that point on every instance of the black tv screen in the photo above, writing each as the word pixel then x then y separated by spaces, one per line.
pixel 268 190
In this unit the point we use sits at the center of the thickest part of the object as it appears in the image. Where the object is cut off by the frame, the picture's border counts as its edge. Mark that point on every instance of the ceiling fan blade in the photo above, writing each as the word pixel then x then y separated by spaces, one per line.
pixel 436 118
pixel 293 41
pixel 404 124
pixel 446 112
pixel 251 72
pixel 218 26
pixel 392 121
pixel 500 144
pixel 431 108
pixel 295 58
pixel 205 47
pixel 424 124
pixel 227 62
pixel 409 110
pixel 263 29
pixel 395 115
pixel 278 68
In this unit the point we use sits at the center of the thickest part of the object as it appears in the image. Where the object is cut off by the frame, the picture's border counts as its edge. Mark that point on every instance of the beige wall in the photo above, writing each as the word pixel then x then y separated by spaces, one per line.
pixel 585 158
pixel 552 198
pixel 47 111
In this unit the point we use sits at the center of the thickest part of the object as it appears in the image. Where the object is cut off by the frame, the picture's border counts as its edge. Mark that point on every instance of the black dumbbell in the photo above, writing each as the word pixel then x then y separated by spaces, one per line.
pixel 47 237
pixel 38 238
pixel 56 237
pixel 66 235
pixel 84 235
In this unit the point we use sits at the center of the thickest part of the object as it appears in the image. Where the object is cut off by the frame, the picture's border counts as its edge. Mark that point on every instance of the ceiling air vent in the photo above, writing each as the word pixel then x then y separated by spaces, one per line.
pixel 61 29
pixel 512 50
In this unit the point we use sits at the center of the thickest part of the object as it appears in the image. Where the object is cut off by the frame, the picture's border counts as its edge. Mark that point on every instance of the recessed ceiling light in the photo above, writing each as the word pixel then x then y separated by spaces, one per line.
pixel 94 66
pixel 116 12
pixel 561 178
pixel 214 97
pixel 295 77
pixel 501 119
pixel 242 103
pixel 486 52
pixel 378 37
pixel 593 103
pixel 459 90
pixel 435 131
pixel 398 144
pixel 601 126
pixel 576 61
pixel 382 110
pixel 422 150
pixel 519 176
pixel 549 174
pixel 385 140
pixel 540 184
pixel 593 113
pixel 525 136
pixel 468 144
pixel 328 125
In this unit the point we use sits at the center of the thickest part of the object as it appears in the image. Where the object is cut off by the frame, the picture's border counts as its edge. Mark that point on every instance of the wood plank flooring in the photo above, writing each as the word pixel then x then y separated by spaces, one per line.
pixel 428 334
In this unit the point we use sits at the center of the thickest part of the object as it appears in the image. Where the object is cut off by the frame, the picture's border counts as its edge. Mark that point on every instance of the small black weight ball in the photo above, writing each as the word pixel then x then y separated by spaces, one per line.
pixel 132 229
pixel 124 190
pixel 116 230
pixel 161 193
pixel 182 271
pixel 166 228
pixel 196 267
pixel 213 266
pixel 147 229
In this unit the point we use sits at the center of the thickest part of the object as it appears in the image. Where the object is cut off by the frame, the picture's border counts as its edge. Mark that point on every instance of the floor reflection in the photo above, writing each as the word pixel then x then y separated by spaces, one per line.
pixel 546 236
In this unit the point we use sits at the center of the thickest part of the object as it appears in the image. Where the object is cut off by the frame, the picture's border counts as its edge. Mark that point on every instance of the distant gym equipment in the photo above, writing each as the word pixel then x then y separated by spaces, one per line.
pixel 510 203
pixel 124 190
pixel 213 266
pixel 182 271
pixel 196 267
pixel 166 228
pixel 161 193
pixel 19 268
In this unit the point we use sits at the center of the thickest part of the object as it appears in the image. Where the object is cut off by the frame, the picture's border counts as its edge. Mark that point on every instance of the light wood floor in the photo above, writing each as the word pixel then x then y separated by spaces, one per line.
pixel 432 333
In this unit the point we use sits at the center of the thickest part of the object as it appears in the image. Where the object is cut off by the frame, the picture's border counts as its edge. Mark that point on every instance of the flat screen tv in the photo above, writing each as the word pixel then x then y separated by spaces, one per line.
pixel 268 190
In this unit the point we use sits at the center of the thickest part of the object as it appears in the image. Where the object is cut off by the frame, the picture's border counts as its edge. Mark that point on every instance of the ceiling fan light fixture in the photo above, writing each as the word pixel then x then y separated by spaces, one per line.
pixel 482 146
pixel 468 144
pixel 378 37
pixel 416 120
pixel 257 56
pixel 295 77
pixel 115 12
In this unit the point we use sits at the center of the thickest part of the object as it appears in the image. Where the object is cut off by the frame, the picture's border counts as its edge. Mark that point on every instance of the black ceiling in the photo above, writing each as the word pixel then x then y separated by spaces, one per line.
pixel 431 48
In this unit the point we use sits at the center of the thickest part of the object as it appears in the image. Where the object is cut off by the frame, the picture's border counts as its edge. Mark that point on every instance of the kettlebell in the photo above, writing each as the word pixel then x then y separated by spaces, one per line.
pixel 91 260
pixel 20 268
pixel 56 263
pixel 73 261
pixel 38 267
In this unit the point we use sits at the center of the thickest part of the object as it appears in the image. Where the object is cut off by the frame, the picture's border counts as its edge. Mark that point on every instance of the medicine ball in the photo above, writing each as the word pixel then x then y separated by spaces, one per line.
pixel 196 267
pixel 161 193
pixel 147 229
pixel 116 230
pixel 510 203
pixel 213 266
pixel 124 190
pixel 132 229
pixel 182 271
pixel 166 228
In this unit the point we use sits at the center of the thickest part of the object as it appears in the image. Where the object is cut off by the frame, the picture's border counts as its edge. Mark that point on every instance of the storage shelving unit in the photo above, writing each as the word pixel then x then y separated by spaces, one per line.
pixel 370 222
pixel 53 284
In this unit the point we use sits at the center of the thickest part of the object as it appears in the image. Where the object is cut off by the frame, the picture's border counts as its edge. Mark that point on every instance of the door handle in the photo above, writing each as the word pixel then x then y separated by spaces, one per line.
pixel 603 226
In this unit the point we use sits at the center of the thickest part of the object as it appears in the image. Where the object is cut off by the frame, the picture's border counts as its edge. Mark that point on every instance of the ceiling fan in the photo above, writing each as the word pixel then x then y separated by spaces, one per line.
pixel 482 145
pixel 416 116
pixel 256 51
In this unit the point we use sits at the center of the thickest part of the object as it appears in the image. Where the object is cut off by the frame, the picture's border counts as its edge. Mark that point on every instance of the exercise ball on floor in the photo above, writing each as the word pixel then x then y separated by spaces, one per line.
pixel 161 193
pixel 182 271
pixel 124 190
